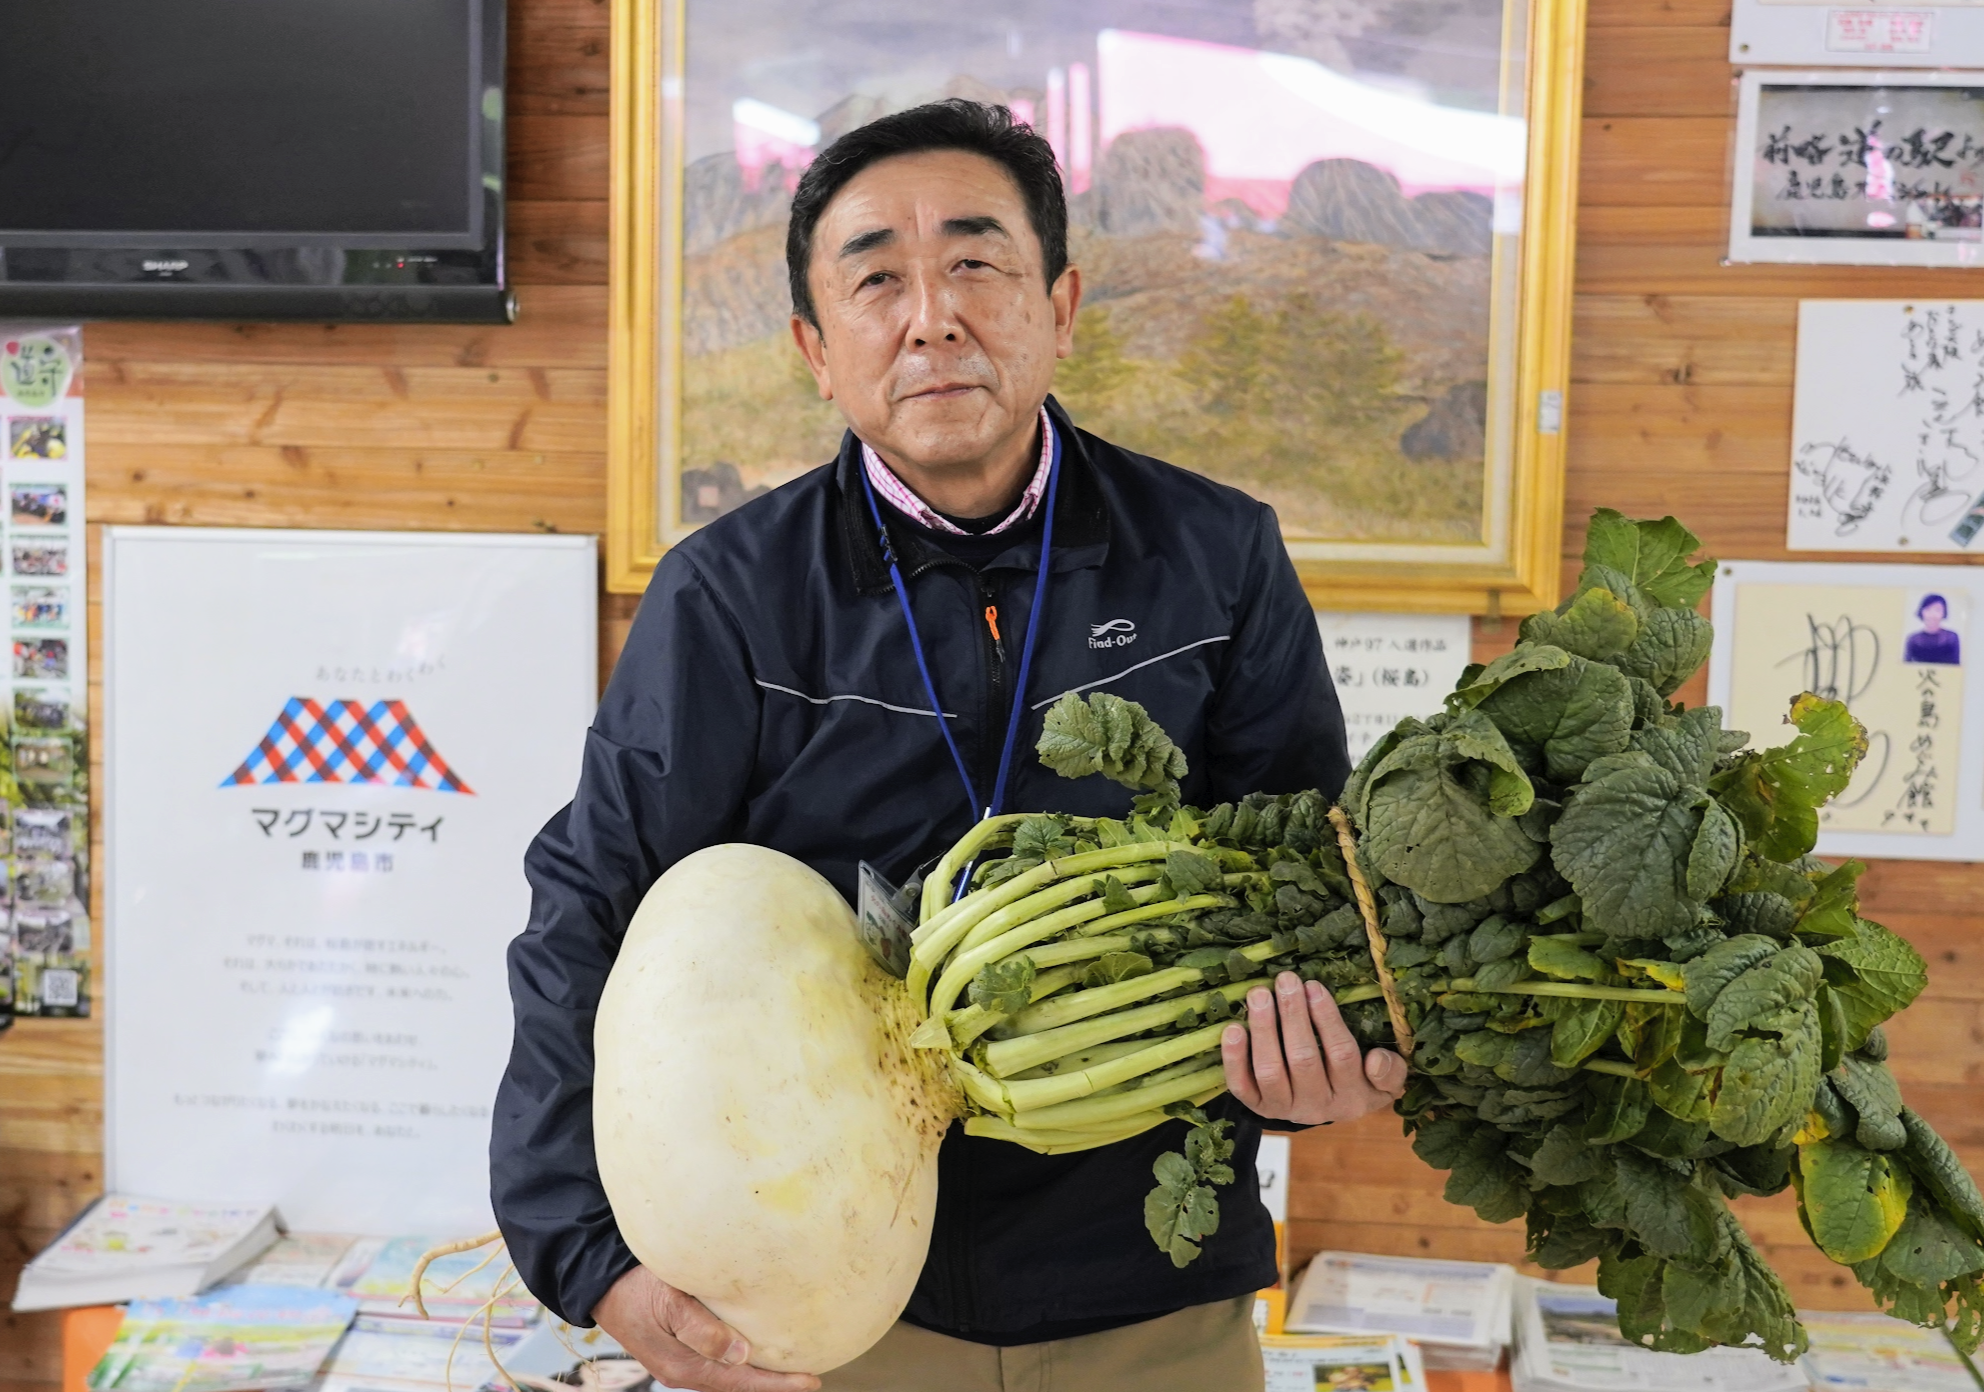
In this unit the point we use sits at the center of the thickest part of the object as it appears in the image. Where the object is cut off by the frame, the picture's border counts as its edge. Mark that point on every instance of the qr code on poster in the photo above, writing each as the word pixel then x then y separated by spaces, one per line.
pixel 58 987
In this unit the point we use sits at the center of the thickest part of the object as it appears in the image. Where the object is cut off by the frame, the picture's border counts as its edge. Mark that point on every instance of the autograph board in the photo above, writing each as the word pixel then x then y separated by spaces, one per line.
pixel 1892 642
pixel 1887 448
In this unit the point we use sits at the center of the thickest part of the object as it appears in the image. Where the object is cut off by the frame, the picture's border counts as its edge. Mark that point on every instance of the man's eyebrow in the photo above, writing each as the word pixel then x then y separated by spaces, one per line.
pixel 974 227
pixel 867 241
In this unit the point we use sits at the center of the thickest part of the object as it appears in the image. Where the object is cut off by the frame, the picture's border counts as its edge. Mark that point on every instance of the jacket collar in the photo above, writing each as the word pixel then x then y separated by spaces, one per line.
pixel 1081 518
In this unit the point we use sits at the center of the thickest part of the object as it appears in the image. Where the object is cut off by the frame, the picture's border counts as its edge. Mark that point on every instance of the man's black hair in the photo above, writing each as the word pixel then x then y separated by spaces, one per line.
pixel 956 124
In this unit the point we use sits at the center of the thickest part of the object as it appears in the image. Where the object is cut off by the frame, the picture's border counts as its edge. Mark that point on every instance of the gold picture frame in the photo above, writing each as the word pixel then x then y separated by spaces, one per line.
pixel 1509 562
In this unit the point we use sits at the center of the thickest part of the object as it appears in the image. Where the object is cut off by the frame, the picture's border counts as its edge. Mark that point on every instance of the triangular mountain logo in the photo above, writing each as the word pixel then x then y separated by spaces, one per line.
pixel 345 742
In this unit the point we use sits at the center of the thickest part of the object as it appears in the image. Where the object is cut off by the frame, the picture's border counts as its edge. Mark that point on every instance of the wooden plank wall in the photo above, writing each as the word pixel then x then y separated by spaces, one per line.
pixel 1681 403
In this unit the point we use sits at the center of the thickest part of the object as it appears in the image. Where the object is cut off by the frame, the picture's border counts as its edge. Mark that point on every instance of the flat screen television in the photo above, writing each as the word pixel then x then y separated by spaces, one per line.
pixel 253 159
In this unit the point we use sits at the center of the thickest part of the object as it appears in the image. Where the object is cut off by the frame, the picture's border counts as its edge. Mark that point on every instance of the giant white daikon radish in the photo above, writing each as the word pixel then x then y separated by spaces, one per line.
pixel 766 1136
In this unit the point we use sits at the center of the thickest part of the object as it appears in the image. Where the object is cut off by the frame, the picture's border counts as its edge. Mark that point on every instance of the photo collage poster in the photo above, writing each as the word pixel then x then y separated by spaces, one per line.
pixel 44 759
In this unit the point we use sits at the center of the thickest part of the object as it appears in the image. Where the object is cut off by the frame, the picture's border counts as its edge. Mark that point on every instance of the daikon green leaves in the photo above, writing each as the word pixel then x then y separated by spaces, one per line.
pixel 1634 994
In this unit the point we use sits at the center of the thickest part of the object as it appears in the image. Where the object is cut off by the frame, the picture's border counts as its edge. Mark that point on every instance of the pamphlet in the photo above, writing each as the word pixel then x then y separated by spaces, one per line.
pixel 1878 1353
pixel 301 1259
pixel 453 1288
pixel 387 1354
pixel 555 1357
pixel 1340 1363
pixel 1568 1340
pixel 124 1248
pixel 237 1339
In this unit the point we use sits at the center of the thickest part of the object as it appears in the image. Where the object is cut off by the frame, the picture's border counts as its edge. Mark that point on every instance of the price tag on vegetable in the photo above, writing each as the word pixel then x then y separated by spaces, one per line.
pixel 885 924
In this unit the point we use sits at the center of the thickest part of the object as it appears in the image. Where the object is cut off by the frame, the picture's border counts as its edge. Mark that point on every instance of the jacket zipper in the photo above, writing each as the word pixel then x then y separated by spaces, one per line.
pixel 963 1280
pixel 993 737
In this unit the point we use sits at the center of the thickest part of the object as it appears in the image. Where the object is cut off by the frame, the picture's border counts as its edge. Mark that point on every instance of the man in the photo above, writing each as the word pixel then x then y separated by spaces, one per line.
pixel 830 671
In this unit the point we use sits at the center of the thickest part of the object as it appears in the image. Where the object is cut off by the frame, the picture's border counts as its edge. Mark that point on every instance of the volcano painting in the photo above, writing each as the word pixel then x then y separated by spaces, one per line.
pixel 1295 221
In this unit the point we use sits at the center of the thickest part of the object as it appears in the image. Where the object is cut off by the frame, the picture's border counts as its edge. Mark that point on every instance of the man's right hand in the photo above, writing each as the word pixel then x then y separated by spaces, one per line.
pixel 677 1339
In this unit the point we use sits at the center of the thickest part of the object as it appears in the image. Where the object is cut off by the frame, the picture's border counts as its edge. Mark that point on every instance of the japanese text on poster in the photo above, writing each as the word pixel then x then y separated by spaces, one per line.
pixel 1389 666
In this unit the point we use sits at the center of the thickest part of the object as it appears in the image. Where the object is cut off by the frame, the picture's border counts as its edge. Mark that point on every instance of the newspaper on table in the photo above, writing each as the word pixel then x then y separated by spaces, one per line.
pixel 1342 1363
pixel 1459 1312
pixel 1568 1340
pixel 1878 1353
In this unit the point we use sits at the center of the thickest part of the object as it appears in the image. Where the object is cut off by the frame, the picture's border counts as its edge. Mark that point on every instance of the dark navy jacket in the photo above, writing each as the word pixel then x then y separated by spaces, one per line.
pixel 768 693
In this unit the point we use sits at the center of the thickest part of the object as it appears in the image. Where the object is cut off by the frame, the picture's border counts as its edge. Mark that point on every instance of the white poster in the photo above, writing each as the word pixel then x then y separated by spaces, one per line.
pixel 44 752
pixel 1887 427
pixel 1389 666
pixel 1892 642
pixel 325 754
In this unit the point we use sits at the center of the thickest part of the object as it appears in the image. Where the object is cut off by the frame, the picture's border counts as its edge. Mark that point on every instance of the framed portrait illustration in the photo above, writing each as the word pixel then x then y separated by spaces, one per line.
pixel 1866 168
pixel 1326 249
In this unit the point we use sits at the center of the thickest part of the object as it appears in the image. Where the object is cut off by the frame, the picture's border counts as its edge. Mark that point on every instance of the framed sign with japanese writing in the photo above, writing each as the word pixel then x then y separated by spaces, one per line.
pixel 1893 642
pixel 1326 251
pixel 325 754
pixel 1859 168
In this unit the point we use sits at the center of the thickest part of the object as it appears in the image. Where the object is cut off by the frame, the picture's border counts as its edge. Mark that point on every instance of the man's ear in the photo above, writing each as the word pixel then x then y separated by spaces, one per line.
pixel 1066 297
pixel 813 348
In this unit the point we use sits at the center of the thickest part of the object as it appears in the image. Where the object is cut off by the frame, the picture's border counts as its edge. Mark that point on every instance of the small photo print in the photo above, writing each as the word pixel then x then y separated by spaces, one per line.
pixel 49 883
pixel 1944 218
pixel 41 659
pixel 1935 627
pixel 39 928
pixel 43 831
pixel 1355 1377
pixel 45 761
pixel 39 504
pixel 38 437
pixel 41 606
pixel 1580 1323
pixel 41 558
pixel 40 710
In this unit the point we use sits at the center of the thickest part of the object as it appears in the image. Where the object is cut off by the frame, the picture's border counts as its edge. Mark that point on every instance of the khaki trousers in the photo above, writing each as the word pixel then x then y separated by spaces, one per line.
pixel 1207 1348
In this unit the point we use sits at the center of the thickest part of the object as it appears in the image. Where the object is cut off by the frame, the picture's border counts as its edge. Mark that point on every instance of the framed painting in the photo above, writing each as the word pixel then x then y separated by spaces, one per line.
pixel 1326 249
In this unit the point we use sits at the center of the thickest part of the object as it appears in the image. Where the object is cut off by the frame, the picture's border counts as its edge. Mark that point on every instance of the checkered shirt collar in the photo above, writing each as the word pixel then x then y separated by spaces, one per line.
pixel 898 496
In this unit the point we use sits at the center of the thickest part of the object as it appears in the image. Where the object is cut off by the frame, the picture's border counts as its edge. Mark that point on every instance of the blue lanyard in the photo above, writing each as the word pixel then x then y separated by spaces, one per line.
pixel 992 808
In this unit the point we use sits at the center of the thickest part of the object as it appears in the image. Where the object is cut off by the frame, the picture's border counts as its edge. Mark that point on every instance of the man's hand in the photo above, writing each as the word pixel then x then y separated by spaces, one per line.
pixel 1276 1068
pixel 677 1339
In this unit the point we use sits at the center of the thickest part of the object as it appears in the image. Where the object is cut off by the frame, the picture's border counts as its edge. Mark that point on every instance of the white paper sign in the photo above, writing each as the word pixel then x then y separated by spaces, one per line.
pixel 1389 666
pixel 325 754
pixel 1928 33
pixel 1887 438
pixel 1892 642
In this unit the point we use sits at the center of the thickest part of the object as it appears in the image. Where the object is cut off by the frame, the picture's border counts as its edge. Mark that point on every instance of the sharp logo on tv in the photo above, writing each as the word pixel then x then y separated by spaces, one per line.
pixel 312 741
pixel 168 266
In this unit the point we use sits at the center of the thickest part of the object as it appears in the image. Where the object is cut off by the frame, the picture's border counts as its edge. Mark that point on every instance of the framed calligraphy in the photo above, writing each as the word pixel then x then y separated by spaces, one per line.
pixel 1327 255
pixel 1859 168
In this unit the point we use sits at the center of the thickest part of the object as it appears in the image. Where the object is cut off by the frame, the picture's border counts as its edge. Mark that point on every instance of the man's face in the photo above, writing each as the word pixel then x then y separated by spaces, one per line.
pixel 938 334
